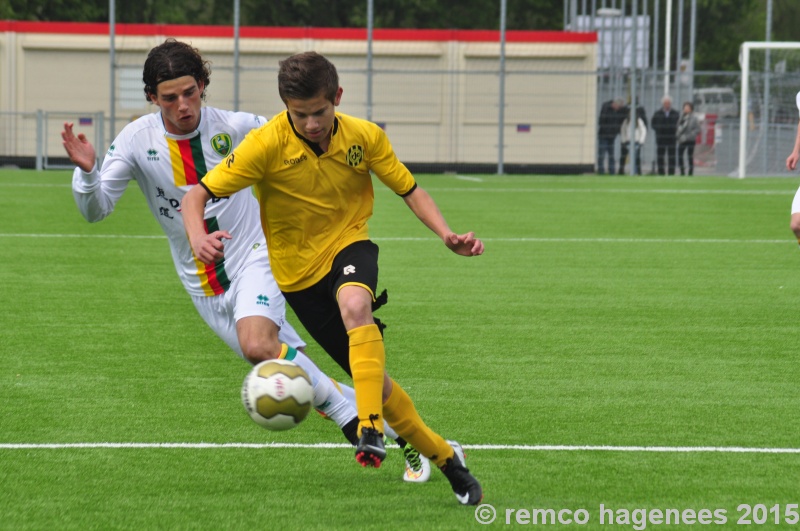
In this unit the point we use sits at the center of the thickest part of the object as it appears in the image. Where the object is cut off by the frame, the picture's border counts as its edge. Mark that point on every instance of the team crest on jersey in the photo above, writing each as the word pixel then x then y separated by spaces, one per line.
pixel 355 155
pixel 222 144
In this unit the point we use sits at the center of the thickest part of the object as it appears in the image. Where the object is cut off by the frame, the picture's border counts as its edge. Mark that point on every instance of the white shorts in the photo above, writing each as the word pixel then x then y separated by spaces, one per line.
pixel 796 202
pixel 253 292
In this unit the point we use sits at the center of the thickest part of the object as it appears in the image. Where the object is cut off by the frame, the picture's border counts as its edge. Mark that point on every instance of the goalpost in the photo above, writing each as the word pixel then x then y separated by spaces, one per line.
pixel 767 109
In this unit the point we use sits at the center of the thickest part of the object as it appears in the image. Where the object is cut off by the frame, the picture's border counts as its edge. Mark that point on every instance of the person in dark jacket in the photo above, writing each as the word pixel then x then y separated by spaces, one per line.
pixel 665 124
pixel 612 113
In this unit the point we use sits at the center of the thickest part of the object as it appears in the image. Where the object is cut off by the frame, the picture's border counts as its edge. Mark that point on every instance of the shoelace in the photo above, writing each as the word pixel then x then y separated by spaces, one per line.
pixel 412 456
pixel 372 419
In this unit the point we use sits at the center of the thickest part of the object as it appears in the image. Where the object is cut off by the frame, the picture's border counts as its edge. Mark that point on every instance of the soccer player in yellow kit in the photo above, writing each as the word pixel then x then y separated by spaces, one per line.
pixel 310 167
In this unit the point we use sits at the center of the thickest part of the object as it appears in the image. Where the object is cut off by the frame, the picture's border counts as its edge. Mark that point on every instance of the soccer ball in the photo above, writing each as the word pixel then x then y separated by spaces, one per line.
pixel 277 394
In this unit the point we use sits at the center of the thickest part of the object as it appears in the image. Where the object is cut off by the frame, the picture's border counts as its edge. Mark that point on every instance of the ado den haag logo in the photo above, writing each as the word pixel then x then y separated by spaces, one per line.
pixel 355 155
pixel 222 144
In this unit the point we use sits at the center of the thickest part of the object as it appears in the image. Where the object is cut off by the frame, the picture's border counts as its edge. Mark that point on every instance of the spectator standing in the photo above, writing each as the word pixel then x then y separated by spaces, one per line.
pixel 612 113
pixel 640 135
pixel 665 124
pixel 688 129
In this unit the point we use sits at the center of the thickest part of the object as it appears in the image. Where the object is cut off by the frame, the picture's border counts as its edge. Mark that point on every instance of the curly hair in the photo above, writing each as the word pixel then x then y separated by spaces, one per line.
pixel 171 60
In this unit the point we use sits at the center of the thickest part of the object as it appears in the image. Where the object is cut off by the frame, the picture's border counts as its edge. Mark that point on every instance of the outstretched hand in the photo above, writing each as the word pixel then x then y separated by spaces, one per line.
pixel 464 244
pixel 80 150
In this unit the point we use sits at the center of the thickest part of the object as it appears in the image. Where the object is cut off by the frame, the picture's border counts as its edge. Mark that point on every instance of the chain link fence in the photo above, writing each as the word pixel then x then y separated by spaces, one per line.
pixel 449 119
pixel 33 139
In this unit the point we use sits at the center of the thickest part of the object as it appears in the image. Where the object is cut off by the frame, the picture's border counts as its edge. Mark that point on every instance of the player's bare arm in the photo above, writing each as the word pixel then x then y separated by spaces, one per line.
pixel 208 248
pixel 79 149
pixel 424 207
pixel 791 162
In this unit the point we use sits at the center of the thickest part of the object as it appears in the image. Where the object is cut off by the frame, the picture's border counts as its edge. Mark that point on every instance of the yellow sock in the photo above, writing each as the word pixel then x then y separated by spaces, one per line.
pixel 367 361
pixel 402 416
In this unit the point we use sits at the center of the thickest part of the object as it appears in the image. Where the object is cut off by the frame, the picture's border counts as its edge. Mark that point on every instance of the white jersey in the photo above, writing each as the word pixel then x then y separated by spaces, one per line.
pixel 166 166
pixel 796 200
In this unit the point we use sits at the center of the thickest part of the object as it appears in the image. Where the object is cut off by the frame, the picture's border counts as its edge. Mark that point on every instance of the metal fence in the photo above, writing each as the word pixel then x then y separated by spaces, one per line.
pixel 772 127
pixel 426 132
pixel 33 139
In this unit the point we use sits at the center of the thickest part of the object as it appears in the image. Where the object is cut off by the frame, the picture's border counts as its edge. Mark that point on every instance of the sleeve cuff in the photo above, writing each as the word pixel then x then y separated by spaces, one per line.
pixel 91 177
pixel 85 181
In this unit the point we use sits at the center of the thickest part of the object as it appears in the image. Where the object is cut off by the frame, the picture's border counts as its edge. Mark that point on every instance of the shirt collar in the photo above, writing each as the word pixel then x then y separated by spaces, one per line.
pixel 314 145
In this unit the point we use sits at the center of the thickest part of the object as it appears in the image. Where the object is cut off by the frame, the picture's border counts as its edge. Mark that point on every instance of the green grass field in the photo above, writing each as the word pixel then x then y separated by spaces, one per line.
pixel 614 333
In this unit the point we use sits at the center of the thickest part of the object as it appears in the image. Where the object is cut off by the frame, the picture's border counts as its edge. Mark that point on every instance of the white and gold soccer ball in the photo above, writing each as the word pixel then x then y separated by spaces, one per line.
pixel 277 394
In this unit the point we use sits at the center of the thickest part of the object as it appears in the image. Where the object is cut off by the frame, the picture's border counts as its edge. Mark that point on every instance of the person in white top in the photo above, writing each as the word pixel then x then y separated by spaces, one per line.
pixel 167 153
pixel 640 135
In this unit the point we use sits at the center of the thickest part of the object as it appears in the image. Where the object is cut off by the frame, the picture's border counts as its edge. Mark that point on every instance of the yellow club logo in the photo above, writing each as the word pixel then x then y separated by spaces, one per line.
pixel 222 144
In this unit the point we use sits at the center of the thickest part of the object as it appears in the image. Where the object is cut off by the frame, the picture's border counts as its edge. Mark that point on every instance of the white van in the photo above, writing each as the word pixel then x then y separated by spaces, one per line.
pixel 721 101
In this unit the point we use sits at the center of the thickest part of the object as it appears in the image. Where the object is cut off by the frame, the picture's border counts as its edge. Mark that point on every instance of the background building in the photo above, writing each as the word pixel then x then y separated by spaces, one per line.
pixel 436 92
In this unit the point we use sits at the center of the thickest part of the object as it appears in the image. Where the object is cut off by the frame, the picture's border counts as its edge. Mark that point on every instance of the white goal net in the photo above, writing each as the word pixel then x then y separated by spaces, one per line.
pixel 768 114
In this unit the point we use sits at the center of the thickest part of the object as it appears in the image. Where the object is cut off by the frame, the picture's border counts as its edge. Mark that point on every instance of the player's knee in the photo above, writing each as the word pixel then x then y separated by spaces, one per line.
pixel 355 312
pixel 258 351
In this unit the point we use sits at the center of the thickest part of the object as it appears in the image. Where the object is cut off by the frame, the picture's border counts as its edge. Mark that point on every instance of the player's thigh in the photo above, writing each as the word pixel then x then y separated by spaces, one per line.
pixel 254 293
pixel 354 278
pixel 356 265
pixel 318 312
pixel 218 315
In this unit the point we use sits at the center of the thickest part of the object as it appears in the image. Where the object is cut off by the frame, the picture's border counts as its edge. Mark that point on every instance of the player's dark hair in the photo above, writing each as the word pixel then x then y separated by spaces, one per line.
pixel 690 104
pixel 307 75
pixel 171 60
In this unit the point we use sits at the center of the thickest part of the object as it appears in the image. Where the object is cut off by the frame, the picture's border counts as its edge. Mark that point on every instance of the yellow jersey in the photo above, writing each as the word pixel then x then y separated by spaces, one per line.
pixel 313 204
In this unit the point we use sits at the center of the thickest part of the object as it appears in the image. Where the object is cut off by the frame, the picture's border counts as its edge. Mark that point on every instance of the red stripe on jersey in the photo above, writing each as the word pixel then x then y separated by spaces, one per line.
pixel 189 167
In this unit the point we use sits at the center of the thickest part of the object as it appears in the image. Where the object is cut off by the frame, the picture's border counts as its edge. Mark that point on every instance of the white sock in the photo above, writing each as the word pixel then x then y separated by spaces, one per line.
pixel 350 394
pixel 326 397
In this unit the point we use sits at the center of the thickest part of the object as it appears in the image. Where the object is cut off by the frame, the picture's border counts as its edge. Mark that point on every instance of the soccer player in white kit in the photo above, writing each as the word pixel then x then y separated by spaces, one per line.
pixel 791 164
pixel 169 152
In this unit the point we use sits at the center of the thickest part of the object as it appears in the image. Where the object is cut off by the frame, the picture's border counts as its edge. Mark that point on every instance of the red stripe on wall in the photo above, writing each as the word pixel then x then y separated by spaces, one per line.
pixel 22 26
pixel 359 34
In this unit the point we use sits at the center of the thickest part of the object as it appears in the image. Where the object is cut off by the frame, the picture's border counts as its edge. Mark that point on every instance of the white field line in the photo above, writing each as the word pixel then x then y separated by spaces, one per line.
pixel 114 236
pixel 529 240
pixel 686 191
pixel 630 240
pixel 36 185
pixel 503 447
